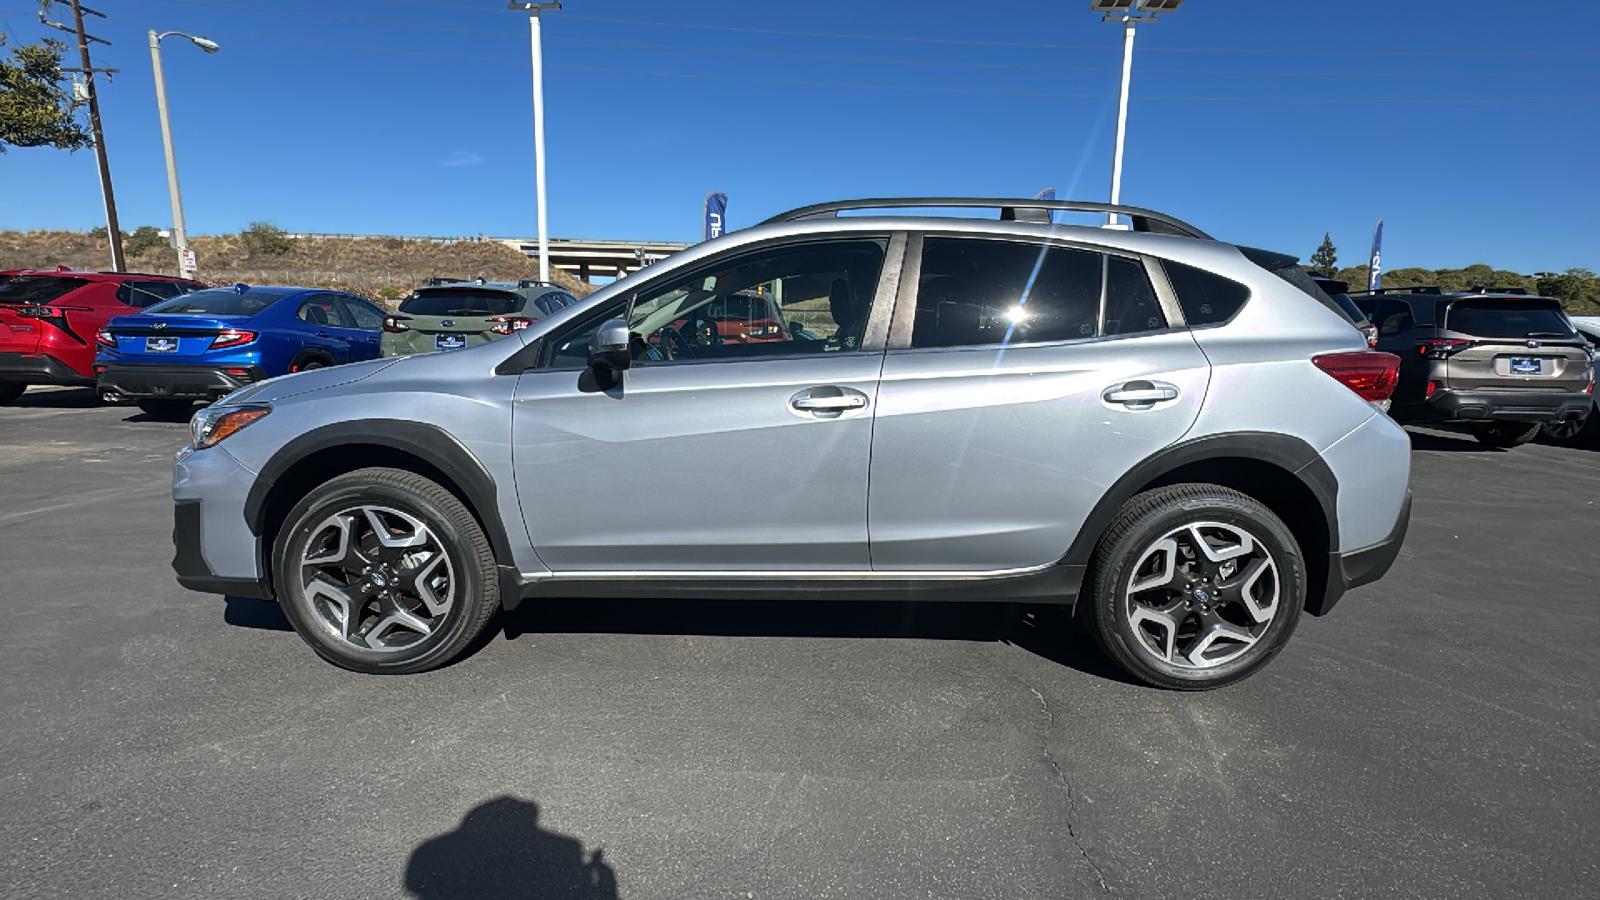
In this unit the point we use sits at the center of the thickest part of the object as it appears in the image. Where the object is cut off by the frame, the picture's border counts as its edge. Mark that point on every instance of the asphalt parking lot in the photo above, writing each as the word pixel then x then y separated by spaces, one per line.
pixel 1437 736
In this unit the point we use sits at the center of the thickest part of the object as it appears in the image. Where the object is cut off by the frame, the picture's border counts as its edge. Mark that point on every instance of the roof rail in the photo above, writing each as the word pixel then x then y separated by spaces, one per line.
pixel 534 282
pixel 1020 210
pixel 1431 289
pixel 150 275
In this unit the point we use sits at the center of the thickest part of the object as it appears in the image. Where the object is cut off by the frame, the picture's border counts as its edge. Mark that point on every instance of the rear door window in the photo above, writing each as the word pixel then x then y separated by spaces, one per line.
pixel 147 293
pixel 1131 304
pixel 1393 317
pixel 365 317
pixel 1492 318
pixel 986 292
pixel 323 309
pixel 461 302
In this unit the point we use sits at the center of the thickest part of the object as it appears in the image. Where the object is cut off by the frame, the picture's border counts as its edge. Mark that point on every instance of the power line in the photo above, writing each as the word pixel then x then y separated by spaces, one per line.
pixel 767 54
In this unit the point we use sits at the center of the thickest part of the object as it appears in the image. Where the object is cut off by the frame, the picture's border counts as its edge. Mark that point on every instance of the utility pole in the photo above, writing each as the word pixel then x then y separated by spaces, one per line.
pixel 180 234
pixel 113 232
pixel 1129 13
pixel 533 10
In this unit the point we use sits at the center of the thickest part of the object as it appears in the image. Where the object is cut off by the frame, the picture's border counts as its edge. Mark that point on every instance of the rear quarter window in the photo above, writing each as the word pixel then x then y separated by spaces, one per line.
pixel 1206 298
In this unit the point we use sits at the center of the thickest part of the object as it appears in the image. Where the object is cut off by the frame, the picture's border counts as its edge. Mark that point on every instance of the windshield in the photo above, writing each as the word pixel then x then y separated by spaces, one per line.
pixel 740 308
pixel 1491 318
pixel 31 289
pixel 215 302
pixel 461 302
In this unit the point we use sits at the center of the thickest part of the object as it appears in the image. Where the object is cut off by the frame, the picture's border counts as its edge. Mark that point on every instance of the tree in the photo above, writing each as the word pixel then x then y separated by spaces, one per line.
pixel 266 239
pixel 1326 259
pixel 145 237
pixel 36 107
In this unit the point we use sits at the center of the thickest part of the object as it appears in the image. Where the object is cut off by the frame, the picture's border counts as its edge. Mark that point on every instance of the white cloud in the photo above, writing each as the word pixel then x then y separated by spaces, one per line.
pixel 463 158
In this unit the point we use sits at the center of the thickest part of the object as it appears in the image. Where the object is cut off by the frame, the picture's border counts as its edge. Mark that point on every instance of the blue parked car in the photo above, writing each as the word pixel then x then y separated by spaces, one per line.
pixel 203 345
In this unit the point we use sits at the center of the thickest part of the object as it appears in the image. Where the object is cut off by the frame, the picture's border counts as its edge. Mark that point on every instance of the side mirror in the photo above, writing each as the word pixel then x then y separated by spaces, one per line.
pixel 610 349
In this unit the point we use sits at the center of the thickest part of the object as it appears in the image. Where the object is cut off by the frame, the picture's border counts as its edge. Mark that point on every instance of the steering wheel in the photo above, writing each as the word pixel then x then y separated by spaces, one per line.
pixel 674 344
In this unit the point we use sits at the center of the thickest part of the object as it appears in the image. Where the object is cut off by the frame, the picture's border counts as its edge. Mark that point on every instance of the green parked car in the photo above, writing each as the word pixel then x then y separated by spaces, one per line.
pixel 452 316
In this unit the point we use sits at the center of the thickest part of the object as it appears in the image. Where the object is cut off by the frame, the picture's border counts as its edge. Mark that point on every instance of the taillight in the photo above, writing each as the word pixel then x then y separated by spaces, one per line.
pixel 232 338
pixel 508 324
pixel 762 331
pixel 38 312
pixel 395 324
pixel 1441 348
pixel 1370 374
pixel 103 337
pixel 1371 333
pixel 1433 388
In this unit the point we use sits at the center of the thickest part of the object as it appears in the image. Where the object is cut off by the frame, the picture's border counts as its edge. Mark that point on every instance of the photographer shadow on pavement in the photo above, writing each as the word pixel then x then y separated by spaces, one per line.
pixel 499 850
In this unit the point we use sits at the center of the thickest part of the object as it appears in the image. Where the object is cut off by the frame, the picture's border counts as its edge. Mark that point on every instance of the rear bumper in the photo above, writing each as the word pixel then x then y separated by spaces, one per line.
pixel 177 382
pixel 38 368
pixel 1364 566
pixel 1482 406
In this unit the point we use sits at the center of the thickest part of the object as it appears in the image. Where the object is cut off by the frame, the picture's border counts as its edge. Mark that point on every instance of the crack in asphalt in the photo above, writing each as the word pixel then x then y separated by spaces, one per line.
pixel 1066 786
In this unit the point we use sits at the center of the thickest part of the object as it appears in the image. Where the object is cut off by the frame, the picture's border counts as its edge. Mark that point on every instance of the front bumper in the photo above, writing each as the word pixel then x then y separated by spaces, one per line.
pixel 1497 406
pixel 38 368
pixel 1364 566
pixel 176 382
pixel 215 550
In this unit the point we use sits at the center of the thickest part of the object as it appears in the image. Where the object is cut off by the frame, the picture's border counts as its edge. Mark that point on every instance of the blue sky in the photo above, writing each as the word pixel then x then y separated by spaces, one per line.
pixel 1471 127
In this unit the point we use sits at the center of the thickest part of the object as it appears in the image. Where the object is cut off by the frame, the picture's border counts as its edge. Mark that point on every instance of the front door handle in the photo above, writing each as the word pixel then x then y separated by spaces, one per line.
pixel 828 402
pixel 1137 395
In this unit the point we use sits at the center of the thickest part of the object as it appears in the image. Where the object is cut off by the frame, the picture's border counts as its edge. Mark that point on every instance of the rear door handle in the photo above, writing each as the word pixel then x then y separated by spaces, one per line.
pixel 1137 395
pixel 828 402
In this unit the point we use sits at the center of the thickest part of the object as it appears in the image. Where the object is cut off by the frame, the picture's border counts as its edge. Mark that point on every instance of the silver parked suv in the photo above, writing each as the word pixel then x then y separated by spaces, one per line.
pixel 1181 438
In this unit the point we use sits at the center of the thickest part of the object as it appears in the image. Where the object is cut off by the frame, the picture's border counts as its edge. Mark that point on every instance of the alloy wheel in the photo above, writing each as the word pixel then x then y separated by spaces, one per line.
pixel 377 578
pixel 1202 595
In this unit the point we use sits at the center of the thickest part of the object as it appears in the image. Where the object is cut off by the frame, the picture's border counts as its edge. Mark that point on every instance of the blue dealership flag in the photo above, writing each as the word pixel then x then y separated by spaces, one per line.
pixel 716 215
pixel 1047 194
pixel 1374 275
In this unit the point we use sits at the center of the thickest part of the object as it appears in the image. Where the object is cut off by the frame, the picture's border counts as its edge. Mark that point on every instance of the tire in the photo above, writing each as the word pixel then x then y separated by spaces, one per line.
pixel 1505 435
pixel 308 365
pixel 1182 632
pixel 10 391
pixel 175 410
pixel 412 614
pixel 1584 432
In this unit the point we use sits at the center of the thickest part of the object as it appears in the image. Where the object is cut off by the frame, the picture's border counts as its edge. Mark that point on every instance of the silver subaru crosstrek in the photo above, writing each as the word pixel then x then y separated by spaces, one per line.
pixel 1182 439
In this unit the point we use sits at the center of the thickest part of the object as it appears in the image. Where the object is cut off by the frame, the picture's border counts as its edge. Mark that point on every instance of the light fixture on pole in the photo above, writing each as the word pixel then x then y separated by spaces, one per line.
pixel 533 10
pixel 180 235
pixel 1129 13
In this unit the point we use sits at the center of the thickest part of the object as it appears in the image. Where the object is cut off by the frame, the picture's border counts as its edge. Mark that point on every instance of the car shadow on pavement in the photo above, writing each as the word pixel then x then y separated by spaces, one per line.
pixel 1449 441
pixel 59 398
pixel 1045 630
pixel 499 850
pixel 246 612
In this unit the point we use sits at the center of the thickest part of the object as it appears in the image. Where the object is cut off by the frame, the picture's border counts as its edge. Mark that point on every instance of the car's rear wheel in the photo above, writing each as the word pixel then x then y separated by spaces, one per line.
pixel 384 571
pixel 1505 434
pixel 1583 431
pixel 167 409
pixel 1195 586
pixel 10 391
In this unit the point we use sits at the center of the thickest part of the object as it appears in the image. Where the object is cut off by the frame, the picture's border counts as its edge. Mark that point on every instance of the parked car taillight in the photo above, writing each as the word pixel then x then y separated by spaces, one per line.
pixel 104 338
pixel 232 338
pixel 1371 374
pixel 508 324
pixel 395 324
pixel 762 331
pixel 1442 348
pixel 38 312
pixel 1371 333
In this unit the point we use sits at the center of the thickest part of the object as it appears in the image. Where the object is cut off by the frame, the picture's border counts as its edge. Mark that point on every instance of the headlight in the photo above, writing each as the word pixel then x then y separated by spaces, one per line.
pixel 214 423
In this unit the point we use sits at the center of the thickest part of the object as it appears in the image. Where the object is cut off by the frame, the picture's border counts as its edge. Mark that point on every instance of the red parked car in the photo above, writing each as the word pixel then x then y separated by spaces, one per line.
pixel 48 319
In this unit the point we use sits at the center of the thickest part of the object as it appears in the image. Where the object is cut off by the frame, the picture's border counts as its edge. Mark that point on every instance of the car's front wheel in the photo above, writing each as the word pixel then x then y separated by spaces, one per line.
pixel 1505 435
pixel 1195 586
pixel 384 571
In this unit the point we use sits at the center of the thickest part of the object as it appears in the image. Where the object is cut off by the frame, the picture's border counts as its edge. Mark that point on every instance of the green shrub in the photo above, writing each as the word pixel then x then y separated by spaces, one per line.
pixel 266 239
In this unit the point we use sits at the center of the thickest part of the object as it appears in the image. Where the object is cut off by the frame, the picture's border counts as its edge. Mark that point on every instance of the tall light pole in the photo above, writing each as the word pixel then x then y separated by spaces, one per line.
pixel 180 236
pixel 1129 13
pixel 533 10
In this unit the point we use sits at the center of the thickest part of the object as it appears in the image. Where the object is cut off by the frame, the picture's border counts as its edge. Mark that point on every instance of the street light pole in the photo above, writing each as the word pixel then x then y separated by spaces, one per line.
pixel 533 10
pixel 180 235
pixel 1124 11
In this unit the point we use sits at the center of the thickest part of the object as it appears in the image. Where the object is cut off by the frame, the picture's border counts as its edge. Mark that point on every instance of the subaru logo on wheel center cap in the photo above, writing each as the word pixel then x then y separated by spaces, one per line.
pixel 379 580
pixel 1199 594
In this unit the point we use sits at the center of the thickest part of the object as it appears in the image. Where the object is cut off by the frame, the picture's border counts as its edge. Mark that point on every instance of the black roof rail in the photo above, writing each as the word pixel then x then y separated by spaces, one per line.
pixel 534 282
pixel 441 280
pixel 1430 289
pixel 150 275
pixel 1018 210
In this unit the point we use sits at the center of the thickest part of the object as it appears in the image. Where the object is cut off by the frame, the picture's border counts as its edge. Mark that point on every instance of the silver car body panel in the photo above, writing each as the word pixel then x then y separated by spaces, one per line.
pixel 964 461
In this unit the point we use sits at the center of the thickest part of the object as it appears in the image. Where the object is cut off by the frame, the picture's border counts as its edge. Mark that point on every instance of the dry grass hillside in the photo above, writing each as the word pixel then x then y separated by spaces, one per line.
pixel 383 269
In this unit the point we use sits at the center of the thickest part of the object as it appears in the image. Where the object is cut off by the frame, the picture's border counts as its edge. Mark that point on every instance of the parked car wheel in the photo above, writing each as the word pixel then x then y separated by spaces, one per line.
pixel 384 571
pixel 1584 431
pixel 1195 586
pixel 1505 434
pixel 167 409
pixel 10 391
